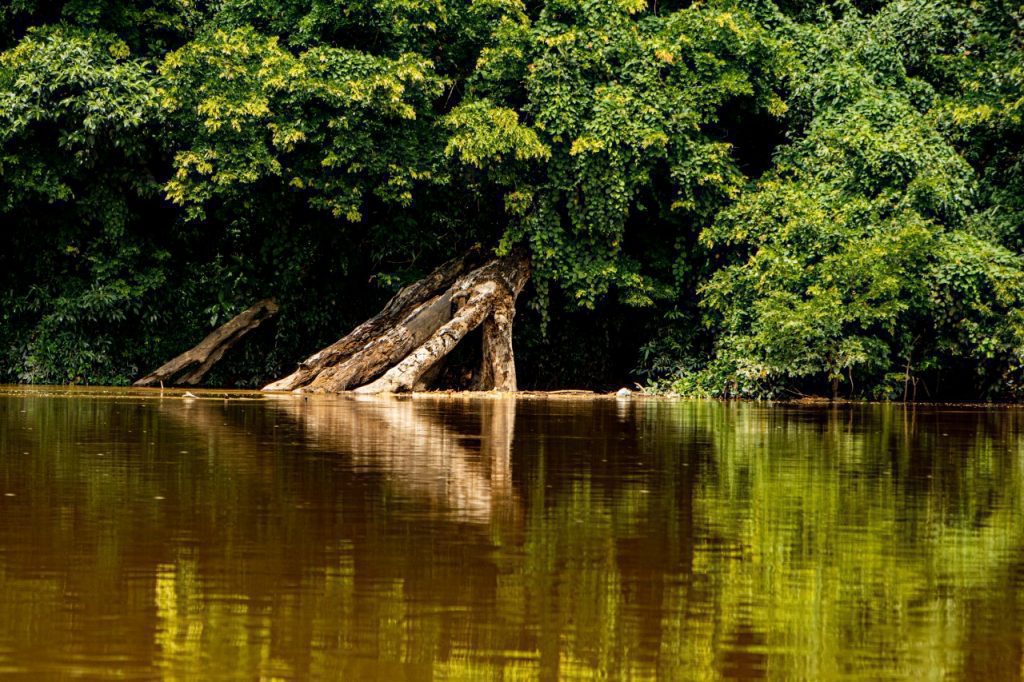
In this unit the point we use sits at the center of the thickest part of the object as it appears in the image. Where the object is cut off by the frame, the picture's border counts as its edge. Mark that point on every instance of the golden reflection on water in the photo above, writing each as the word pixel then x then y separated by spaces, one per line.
pixel 279 537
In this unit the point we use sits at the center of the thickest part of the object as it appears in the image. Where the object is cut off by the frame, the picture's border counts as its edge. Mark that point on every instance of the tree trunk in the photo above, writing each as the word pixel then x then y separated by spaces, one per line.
pixel 498 369
pixel 401 311
pixel 189 368
pixel 398 348
pixel 387 349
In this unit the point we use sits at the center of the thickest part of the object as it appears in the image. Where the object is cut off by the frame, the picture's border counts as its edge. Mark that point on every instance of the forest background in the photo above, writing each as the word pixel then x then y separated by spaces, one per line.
pixel 722 198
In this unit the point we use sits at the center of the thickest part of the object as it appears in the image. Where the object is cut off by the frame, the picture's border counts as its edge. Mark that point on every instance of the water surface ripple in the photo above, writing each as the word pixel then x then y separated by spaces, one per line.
pixel 253 536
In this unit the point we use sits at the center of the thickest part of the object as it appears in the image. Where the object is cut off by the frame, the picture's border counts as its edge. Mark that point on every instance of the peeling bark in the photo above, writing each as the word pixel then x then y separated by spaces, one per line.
pixel 399 349
pixel 406 305
pixel 189 368
pixel 498 368
pixel 475 298
pixel 385 350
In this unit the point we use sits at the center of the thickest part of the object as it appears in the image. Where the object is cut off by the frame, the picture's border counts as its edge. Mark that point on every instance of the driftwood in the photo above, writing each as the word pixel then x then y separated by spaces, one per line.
pixel 404 307
pixel 398 349
pixel 189 368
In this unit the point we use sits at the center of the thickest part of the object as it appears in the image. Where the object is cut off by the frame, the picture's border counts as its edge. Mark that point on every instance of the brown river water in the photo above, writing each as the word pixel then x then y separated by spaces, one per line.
pixel 275 537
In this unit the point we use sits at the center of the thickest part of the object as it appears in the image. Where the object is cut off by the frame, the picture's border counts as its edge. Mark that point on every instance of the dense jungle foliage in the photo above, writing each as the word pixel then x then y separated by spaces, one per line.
pixel 720 198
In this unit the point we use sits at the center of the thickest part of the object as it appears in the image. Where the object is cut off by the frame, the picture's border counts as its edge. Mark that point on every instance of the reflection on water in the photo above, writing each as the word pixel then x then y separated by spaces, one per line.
pixel 449 538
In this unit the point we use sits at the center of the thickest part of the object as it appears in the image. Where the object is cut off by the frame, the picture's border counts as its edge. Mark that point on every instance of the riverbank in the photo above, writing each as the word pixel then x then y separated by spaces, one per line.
pixel 568 395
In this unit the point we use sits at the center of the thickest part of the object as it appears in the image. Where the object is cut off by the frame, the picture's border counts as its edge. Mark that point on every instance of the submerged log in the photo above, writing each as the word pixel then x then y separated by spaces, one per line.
pixel 403 345
pixel 189 368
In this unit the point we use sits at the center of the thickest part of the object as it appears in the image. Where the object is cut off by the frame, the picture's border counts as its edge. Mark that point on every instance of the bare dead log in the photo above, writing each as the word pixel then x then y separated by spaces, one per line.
pixel 387 349
pixel 400 313
pixel 189 368
pixel 403 346
pixel 479 296
pixel 498 369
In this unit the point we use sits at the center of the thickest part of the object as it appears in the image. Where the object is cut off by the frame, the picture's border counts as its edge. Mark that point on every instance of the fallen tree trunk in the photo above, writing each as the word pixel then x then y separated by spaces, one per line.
pixel 189 368
pixel 476 297
pixel 405 306
pixel 396 350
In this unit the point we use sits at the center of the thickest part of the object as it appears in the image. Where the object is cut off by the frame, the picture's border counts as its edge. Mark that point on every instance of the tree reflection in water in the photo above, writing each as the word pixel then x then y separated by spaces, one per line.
pixel 453 538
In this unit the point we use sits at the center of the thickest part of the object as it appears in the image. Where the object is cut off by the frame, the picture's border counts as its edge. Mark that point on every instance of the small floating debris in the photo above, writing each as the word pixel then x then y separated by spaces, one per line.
pixel 9 495
pixel 189 395
pixel 623 392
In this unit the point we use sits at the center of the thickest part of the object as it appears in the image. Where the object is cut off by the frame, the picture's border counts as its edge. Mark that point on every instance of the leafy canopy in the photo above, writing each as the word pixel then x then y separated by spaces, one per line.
pixel 801 197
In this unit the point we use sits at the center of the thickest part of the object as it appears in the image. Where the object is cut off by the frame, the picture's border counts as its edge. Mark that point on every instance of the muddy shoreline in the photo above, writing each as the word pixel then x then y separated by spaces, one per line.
pixel 565 394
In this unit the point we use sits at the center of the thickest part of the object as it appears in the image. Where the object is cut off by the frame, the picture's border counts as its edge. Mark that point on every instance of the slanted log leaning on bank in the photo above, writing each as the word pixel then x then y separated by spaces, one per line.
pixel 189 368
pixel 393 351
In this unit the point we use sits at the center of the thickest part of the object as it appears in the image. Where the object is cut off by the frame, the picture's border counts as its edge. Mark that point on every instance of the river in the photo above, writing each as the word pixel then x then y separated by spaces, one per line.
pixel 251 536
